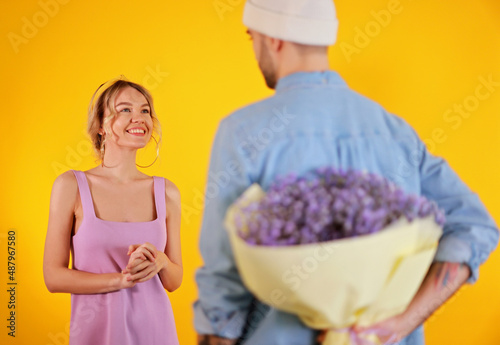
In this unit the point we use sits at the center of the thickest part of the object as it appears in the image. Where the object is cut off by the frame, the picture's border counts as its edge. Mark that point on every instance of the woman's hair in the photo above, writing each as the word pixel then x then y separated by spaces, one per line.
pixel 104 98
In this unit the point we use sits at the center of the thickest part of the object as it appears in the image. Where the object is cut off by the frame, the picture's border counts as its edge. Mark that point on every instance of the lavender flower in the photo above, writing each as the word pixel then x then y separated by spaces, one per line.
pixel 330 204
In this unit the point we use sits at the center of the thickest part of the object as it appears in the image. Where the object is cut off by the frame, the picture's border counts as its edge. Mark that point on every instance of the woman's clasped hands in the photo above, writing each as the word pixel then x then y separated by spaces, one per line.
pixel 144 263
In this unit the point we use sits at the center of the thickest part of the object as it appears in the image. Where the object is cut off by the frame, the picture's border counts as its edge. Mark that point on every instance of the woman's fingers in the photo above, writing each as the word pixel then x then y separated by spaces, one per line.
pixel 147 250
pixel 135 259
pixel 149 276
pixel 144 271
pixel 142 264
pixel 137 266
pixel 151 249
pixel 137 255
pixel 149 255
pixel 143 275
pixel 125 282
pixel 132 248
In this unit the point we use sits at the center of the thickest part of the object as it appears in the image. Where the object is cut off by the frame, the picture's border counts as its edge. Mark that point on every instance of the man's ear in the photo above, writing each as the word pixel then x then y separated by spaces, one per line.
pixel 275 44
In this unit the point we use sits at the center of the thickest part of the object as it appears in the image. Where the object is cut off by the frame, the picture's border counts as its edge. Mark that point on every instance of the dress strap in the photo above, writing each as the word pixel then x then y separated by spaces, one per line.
pixel 159 190
pixel 85 196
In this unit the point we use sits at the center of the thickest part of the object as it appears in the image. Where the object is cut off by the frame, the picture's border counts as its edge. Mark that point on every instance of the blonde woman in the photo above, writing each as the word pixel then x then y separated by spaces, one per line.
pixel 122 228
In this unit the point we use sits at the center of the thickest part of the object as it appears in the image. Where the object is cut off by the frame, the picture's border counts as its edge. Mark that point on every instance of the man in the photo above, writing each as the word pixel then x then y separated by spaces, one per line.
pixel 315 120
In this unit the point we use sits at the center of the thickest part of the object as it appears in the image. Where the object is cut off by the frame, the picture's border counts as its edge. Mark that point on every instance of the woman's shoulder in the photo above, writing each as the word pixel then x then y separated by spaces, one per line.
pixel 66 180
pixel 171 190
pixel 65 187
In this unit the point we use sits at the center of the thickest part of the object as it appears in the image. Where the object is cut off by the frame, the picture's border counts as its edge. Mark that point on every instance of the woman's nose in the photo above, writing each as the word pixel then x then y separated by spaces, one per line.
pixel 137 117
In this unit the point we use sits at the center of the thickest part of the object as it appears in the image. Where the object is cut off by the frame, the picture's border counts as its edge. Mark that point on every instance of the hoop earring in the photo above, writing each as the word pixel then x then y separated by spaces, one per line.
pixel 157 153
pixel 102 151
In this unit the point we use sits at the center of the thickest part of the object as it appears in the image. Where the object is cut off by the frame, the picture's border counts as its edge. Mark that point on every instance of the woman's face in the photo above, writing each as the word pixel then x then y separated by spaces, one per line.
pixel 132 126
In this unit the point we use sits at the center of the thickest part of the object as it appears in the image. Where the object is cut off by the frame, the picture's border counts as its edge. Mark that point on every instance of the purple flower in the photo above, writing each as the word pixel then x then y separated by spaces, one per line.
pixel 330 204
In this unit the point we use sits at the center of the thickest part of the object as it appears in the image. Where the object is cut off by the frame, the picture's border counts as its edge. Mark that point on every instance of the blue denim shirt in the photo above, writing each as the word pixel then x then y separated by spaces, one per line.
pixel 315 120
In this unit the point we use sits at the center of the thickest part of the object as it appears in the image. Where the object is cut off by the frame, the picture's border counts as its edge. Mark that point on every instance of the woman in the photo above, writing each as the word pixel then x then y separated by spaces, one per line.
pixel 122 228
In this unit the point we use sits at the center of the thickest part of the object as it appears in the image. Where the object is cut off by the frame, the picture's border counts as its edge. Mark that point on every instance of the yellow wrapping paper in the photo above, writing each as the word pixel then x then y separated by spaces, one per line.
pixel 336 284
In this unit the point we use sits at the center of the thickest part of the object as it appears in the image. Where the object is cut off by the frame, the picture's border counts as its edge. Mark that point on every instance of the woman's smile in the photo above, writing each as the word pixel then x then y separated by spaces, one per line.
pixel 137 131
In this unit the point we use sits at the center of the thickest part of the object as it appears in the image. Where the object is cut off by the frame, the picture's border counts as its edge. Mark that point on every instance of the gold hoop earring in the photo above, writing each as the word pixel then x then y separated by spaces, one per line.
pixel 157 153
pixel 102 151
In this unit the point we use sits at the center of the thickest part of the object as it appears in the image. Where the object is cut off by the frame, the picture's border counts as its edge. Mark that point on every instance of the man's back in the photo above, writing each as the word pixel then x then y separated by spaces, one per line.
pixel 315 120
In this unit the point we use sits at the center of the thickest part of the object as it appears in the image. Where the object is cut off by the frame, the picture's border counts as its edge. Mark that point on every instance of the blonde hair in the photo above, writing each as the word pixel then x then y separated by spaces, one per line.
pixel 104 98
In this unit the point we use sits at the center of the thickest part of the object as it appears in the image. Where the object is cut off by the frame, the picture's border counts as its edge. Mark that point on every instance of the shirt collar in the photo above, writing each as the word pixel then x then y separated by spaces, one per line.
pixel 309 78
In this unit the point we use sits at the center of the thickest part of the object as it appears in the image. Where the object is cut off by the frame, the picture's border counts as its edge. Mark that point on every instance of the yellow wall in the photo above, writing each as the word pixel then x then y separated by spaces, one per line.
pixel 198 63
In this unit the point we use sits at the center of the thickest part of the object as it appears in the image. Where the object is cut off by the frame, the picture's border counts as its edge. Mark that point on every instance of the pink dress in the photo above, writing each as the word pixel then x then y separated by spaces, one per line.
pixel 135 316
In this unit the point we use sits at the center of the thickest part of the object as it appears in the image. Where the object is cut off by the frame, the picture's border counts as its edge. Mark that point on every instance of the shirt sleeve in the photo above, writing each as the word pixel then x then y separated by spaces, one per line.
pixel 470 233
pixel 223 301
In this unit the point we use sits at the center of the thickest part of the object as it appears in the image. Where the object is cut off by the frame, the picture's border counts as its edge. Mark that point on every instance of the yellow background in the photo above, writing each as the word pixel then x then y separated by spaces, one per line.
pixel 197 61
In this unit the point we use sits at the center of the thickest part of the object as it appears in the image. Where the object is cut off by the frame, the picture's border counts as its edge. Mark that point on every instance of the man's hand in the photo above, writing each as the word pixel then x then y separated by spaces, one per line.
pixel 442 280
pixel 388 331
pixel 207 339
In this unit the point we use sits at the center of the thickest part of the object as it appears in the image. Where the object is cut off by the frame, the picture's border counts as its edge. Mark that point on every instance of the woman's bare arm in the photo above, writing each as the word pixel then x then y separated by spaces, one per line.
pixel 58 277
pixel 171 274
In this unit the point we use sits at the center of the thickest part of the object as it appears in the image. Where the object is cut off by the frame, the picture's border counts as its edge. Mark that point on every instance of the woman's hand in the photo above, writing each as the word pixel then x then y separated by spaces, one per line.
pixel 124 281
pixel 144 263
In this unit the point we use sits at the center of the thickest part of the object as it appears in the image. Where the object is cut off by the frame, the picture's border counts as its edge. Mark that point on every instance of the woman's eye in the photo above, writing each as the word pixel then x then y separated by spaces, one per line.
pixel 145 111
pixel 127 110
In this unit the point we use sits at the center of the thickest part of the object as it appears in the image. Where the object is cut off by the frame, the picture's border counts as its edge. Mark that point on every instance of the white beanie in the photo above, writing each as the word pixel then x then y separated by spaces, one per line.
pixel 311 22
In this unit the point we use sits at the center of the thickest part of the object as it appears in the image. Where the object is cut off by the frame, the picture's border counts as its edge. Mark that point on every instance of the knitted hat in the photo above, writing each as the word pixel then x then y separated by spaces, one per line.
pixel 311 22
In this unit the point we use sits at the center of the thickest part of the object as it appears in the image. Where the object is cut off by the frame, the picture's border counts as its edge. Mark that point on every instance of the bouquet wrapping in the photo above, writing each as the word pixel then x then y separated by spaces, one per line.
pixel 342 249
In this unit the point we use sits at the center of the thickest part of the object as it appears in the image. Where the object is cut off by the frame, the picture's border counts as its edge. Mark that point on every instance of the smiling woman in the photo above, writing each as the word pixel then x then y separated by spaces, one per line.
pixel 124 95
pixel 115 220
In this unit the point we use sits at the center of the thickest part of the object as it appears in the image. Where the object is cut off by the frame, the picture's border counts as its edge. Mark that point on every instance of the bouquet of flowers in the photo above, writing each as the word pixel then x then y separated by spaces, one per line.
pixel 336 248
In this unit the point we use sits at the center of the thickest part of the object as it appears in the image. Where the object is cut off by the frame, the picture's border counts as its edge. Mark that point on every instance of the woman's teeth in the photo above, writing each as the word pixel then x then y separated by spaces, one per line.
pixel 136 131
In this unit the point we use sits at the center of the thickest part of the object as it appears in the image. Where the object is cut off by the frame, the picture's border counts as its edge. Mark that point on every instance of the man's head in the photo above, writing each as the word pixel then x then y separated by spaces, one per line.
pixel 276 57
pixel 290 35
